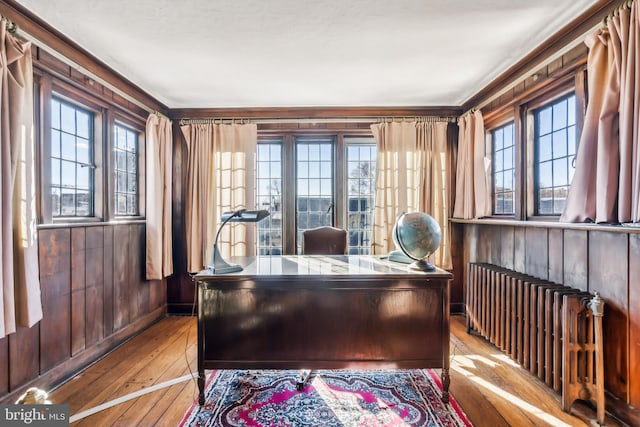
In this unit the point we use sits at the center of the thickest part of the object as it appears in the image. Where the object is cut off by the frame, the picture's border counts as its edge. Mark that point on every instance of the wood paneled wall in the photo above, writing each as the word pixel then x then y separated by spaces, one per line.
pixel 588 258
pixel 94 296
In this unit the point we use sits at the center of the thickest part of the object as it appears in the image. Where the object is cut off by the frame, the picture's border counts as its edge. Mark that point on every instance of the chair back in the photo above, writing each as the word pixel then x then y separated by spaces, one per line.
pixel 324 241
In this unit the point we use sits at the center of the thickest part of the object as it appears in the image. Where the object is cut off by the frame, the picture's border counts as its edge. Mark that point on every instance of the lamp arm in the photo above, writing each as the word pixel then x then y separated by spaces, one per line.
pixel 236 213
pixel 218 265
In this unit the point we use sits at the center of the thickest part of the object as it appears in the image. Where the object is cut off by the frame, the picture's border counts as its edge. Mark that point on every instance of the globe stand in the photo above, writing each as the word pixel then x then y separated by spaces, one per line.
pixel 422 265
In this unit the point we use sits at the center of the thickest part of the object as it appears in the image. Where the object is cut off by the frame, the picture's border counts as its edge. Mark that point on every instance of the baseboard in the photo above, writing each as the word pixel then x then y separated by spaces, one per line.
pixel 182 308
pixel 71 367
pixel 458 308
pixel 622 410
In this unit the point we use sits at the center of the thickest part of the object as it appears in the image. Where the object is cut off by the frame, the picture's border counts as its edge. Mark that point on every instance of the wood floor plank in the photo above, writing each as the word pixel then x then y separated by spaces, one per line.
pixel 491 389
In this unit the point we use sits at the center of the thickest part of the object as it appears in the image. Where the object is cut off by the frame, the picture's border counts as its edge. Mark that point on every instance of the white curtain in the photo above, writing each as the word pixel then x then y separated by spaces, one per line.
pixel 20 299
pixel 472 195
pixel 159 148
pixel 411 177
pixel 220 178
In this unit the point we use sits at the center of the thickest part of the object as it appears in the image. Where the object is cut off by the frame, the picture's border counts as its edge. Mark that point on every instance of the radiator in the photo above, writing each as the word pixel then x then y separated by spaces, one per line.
pixel 554 331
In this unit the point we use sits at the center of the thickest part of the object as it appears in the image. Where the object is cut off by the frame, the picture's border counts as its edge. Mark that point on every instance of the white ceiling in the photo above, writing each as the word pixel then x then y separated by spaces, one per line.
pixel 296 53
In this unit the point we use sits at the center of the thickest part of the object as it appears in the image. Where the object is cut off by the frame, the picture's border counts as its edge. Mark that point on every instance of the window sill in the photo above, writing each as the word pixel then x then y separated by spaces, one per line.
pixel 97 223
pixel 610 228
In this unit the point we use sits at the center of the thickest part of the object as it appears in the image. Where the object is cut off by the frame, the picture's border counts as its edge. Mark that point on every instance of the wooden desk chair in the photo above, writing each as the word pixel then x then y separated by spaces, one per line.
pixel 324 241
pixel 321 241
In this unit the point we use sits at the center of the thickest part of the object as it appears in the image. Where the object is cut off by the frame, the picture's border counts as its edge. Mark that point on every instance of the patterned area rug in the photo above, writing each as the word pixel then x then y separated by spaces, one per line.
pixel 331 398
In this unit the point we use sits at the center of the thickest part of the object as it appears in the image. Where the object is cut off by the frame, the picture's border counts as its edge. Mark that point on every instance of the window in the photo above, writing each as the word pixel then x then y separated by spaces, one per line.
pixel 269 197
pixel 92 158
pixel 72 160
pixel 504 172
pixel 361 187
pixel 311 181
pixel 314 184
pixel 125 170
pixel 554 154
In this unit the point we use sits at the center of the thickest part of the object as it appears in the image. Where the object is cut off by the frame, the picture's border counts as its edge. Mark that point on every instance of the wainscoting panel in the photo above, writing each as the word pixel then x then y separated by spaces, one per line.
pixel 608 274
pixel 556 260
pixel 536 253
pixel 582 257
pixel 634 319
pixel 54 246
pixel 94 296
pixel 575 263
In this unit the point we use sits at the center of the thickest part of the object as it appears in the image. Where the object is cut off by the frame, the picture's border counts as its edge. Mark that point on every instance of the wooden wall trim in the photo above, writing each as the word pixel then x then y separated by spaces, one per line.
pixel 556 43
pixel 312 112
pixel 67 48
pixel 550 224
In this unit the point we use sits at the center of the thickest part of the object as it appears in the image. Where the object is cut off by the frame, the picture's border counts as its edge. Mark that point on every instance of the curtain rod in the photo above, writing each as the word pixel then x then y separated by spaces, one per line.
pixel 616 11
pixel 420 119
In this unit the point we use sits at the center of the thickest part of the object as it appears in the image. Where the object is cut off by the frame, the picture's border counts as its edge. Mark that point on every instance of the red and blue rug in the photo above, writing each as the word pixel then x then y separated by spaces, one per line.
pixel 337 398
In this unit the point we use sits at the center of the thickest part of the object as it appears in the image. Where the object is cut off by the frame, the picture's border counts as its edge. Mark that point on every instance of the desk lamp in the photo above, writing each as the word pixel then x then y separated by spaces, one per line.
pixel 218 265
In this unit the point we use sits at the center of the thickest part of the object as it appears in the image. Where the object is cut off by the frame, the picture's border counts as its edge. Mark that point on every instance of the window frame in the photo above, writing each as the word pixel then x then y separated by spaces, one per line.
pixel 490 153
pixel 47 87
pixel 288 141
pixel 520 111
pixel 121 120
pixel 506 116
pixel 528 112
pixel 68 95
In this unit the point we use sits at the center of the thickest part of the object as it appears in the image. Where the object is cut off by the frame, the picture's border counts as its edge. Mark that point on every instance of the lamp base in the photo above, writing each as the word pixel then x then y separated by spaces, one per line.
pixel 229 268
pixel 422 265
pixel 399 256
pixel 219 265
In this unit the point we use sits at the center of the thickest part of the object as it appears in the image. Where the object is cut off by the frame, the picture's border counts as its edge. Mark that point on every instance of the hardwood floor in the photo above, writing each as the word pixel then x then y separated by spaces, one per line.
pixel 492 390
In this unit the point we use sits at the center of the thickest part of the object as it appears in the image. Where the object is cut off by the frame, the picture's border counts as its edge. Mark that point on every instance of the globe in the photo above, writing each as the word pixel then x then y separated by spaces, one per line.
pixel 418 236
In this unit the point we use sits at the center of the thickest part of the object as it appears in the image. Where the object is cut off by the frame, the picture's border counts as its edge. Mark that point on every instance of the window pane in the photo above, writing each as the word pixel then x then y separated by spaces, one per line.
pixel 317 189
pixel 126 170
pixel 545 175
pixel 554 161
pixel 560 143
pixel 68 170
pixel 71 158
pixel 82 151
pixel 560 172
pixel 502 143
pixel 55 114
pixel 68 147
pixel 55 172
pixel 269 197
pixel 68 119
pixel 82 177
pixel 55 143
pixel 83 122
pixel 544 121
pixel 361 160
pixel 55 201
pixel 544 148
pixel 83 200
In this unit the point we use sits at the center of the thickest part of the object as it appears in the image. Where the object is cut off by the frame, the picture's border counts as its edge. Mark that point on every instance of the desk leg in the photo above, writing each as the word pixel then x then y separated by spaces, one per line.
pixel 445 385
pixel 201 380
pixel 201 373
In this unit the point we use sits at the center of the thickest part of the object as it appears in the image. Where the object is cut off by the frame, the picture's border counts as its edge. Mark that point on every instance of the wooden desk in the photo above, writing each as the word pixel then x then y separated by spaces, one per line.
pixel 323 312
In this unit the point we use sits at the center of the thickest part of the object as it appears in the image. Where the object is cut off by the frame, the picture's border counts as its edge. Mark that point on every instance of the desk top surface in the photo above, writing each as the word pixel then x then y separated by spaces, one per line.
pixel 322 265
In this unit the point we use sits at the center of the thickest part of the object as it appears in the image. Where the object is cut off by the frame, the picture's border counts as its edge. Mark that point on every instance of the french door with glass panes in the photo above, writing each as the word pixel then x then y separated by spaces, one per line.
pixel 311 181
